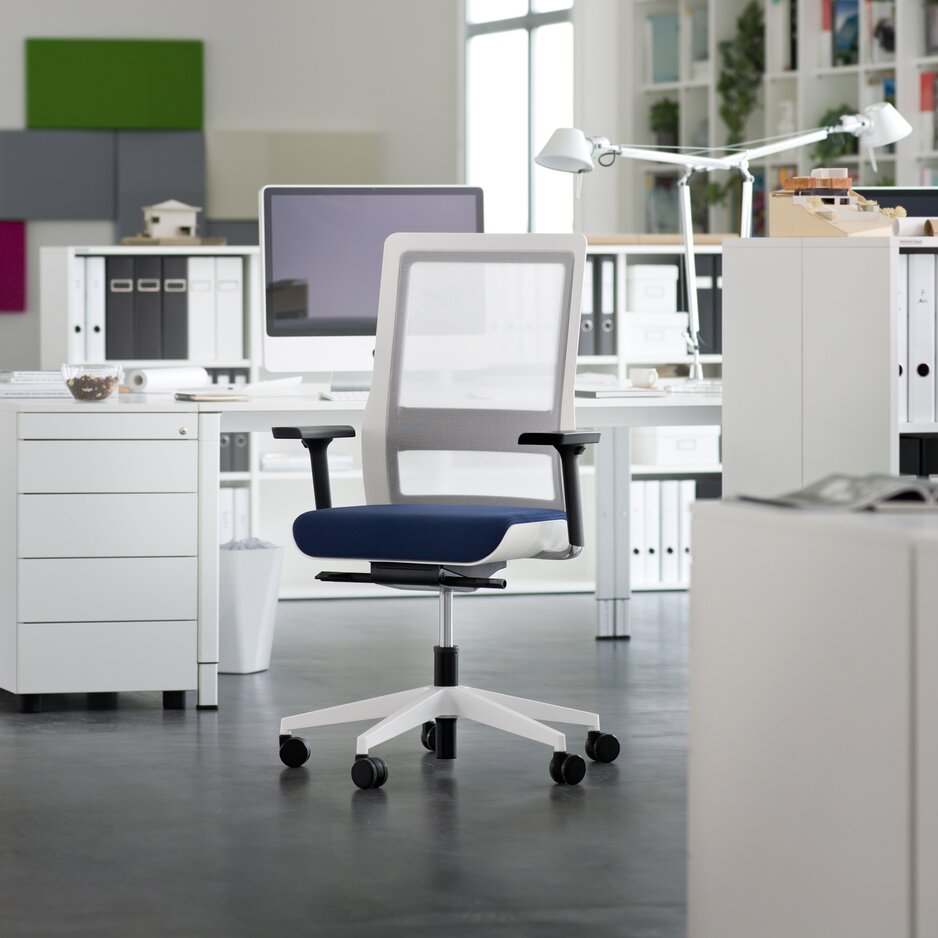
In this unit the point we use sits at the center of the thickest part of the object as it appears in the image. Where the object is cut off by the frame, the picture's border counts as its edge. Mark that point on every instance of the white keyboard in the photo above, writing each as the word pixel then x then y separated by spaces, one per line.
pixel 343 395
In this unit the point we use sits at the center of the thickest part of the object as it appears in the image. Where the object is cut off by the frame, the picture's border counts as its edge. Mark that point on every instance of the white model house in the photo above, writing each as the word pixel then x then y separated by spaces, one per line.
pixel 170 219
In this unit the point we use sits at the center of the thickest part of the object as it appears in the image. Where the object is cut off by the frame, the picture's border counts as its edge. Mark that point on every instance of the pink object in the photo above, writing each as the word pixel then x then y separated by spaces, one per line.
pixel 12 266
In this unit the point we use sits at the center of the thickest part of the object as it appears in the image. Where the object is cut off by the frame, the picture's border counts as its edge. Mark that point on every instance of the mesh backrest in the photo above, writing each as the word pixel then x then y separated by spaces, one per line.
pixel 475 347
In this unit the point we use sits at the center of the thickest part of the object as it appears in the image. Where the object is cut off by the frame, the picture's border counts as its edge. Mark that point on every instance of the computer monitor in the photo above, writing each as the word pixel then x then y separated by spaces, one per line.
pixel 321 251
pixel 918 201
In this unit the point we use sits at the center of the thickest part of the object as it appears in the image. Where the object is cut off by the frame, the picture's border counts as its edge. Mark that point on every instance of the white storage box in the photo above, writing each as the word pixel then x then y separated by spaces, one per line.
pixel 676 446
pixel 653 337
pixel 651 288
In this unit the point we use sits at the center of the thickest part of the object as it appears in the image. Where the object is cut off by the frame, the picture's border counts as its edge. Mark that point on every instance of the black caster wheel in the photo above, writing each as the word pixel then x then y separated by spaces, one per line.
pixel 567 769
pixel 369 772
pixel 293 751
pixel 428 735
pixel 602 747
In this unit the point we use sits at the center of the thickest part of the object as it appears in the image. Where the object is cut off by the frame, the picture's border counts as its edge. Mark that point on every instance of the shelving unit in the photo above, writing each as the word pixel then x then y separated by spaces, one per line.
pixel 792 99
pixel 629 250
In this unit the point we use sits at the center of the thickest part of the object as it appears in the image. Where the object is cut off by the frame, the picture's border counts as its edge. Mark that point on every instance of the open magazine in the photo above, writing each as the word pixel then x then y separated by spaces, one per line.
pixel 858 493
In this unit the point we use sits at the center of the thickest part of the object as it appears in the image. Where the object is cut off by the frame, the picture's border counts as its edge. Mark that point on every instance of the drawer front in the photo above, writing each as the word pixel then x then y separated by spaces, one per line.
pixel 107 589
pixel 108 426
pixel 79 657
pixel 108 466
pixel 138 525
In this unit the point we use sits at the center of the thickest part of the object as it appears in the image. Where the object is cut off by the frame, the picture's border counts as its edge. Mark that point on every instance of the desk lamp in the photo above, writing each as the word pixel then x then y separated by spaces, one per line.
pixel 570 150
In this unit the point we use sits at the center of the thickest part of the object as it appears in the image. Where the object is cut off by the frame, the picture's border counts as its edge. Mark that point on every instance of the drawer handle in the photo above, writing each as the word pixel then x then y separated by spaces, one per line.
pixel 183 431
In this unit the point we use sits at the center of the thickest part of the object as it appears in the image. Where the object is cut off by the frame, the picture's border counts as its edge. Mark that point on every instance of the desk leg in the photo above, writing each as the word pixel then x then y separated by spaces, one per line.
pixel 613 481
pixel 207 652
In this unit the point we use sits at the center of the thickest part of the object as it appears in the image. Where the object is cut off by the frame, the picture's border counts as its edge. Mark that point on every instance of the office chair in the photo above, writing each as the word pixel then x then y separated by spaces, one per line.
pixel 465 468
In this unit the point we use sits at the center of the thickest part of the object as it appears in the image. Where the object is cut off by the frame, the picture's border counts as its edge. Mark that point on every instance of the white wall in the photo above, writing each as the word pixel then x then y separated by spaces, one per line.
pixel 375 65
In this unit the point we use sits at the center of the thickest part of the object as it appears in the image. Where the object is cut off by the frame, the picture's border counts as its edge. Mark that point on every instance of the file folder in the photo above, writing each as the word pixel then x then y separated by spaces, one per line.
pixel 902 341
pixel 226 509
pixel 229 308
pixel 606 320
pixel 687 494
pixel 652 532
pixel 587 344
pixel 175 331
pixel 76 313
pixel 201 308
pixel 637 534
pixel 148 307
pixel 224 452
pixel 119 308
pixel 242 512
pixel 239 452
pixel 670 532
pixel 95 305
pixel 706 288
pixel 921 300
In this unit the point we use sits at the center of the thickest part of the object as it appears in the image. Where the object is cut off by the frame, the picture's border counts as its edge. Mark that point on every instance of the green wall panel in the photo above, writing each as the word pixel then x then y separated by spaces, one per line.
pixel 114 84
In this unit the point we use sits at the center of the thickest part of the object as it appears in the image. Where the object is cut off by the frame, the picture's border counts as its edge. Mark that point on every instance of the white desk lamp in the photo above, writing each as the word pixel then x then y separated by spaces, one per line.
pixel 570 150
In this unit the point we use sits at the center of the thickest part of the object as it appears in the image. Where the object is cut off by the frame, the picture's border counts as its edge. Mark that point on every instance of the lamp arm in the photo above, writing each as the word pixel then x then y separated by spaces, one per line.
pixel 692 161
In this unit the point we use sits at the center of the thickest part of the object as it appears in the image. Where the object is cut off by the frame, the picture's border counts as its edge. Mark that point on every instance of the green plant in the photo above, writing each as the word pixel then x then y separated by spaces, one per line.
pixel 742 64
pixel 835 146
pixel 742 61
pixel 663 120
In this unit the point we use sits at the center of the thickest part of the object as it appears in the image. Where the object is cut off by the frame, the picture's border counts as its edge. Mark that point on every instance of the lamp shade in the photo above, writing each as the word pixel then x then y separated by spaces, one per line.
pixel 567 150
pixel 887 125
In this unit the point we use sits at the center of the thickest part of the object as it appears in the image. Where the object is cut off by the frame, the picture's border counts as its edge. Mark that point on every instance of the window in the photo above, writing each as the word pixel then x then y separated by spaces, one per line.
pixel 519 89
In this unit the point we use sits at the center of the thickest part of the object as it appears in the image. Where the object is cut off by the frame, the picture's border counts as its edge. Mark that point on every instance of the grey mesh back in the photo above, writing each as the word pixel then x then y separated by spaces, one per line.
pixel 476 344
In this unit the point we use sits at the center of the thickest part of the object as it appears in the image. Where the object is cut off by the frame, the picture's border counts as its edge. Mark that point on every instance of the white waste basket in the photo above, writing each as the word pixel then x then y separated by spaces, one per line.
pixel 248 585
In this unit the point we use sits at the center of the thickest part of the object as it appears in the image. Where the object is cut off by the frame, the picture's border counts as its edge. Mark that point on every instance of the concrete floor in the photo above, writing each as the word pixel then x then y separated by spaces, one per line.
pixel 136 821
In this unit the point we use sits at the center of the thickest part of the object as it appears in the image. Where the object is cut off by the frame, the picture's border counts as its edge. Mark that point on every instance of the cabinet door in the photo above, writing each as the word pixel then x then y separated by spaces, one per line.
pixel 125 525
pixel 107 589
pixel 107 466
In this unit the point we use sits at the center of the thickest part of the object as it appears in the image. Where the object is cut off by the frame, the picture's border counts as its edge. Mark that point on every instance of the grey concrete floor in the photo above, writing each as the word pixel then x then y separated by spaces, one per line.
pixel 135 821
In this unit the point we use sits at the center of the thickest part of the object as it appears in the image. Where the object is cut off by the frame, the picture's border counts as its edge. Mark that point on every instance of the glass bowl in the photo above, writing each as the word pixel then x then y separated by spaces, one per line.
pixel 89 383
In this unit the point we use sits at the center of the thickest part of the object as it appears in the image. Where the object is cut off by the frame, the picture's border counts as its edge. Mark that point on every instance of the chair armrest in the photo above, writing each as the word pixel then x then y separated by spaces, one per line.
pixel 316 440
pixel 570 444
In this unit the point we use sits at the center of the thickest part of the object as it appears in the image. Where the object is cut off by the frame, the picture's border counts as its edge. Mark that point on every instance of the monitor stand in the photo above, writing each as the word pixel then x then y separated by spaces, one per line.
pixel 350 381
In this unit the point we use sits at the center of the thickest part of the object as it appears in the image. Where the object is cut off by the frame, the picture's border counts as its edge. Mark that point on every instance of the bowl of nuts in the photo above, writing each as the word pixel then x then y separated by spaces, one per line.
pixel 90 383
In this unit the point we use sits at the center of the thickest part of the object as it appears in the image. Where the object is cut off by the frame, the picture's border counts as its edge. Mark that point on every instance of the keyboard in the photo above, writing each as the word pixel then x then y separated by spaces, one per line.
pixel 343 395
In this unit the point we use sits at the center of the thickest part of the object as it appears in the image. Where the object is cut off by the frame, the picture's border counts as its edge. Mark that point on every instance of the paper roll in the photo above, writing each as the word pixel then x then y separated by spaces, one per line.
pixel 155 380
pixel 910 227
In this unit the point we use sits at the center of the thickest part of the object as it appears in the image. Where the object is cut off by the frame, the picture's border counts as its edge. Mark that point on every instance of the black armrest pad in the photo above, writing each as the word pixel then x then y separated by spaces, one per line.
pixel 569 445
pixel 560 438
pixel 311 433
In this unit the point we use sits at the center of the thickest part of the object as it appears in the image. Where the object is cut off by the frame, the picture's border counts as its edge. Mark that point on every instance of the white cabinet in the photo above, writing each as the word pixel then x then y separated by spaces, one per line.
pixel 813 737
pixel 810 385
pixel 108 548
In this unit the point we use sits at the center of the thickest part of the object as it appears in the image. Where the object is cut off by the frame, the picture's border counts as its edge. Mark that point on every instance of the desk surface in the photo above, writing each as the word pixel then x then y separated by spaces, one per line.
pixel 259 413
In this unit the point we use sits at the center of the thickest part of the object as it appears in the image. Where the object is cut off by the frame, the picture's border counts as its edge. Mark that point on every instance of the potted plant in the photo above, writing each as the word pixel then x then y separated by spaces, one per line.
pixel 828 151
pixel 663 120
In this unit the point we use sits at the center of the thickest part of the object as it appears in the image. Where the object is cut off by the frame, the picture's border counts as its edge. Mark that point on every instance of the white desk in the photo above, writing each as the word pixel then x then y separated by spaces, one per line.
pixel 51 452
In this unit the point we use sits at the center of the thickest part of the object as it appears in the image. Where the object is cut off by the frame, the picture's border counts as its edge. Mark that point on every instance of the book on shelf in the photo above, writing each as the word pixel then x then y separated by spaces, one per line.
pixel 926 109
pixel 781 29
pixel 825 38
pixel 858 493
pixel 845 32
pixel 663 48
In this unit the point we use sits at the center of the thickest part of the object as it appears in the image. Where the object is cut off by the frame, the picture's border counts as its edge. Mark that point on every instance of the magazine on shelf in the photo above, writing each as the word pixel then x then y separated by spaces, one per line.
pixel 858 493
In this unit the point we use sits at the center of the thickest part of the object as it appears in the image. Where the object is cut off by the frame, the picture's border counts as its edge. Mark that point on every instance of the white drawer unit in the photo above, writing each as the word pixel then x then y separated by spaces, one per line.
pixel 104 581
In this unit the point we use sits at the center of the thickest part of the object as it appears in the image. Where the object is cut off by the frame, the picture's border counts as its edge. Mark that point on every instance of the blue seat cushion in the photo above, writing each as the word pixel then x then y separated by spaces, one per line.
pixel 423 533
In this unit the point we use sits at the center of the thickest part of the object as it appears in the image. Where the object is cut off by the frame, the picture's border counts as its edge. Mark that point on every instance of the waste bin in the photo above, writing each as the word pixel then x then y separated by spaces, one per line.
pixel 248 584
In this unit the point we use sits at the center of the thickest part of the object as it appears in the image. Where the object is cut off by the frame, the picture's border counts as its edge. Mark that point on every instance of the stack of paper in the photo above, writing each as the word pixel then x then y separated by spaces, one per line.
pixel 32 384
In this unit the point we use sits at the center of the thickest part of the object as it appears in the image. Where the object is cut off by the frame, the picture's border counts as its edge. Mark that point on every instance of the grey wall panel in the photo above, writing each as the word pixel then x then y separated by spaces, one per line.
pixel 237 232
pixel 153 166
pixel 57 174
